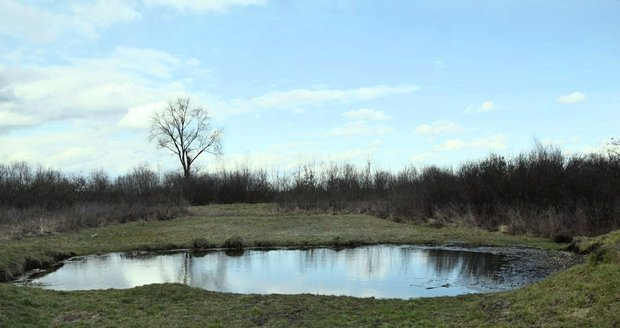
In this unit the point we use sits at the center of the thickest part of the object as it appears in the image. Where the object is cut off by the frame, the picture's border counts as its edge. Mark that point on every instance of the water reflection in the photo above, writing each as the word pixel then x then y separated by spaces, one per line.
pixel 379 271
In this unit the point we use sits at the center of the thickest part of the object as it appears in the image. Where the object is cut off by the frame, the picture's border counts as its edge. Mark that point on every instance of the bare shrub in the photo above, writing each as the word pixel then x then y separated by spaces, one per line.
pixel 234 242
pixel 543 192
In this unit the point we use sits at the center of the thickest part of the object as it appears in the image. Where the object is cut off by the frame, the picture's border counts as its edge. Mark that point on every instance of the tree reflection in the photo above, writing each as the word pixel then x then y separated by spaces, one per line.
pixel 383 270
pixel 471 267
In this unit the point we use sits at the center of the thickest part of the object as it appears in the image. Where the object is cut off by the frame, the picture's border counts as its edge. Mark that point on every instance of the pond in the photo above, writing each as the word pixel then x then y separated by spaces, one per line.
pixel 383 271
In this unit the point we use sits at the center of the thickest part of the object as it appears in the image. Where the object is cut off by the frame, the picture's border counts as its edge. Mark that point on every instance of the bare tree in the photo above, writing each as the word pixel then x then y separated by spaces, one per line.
pixel 613 148
pixel 186 132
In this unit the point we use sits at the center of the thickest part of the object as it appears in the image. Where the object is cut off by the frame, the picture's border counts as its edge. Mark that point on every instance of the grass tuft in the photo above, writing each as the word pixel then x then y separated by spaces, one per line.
pixel 201 244
pixel 234 242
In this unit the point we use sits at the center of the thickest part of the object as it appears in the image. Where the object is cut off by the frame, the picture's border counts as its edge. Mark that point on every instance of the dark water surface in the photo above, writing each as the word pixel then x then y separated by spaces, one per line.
pixel 386 271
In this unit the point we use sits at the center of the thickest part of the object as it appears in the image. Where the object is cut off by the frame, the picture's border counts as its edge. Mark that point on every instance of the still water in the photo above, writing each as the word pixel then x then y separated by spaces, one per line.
pixel 385 271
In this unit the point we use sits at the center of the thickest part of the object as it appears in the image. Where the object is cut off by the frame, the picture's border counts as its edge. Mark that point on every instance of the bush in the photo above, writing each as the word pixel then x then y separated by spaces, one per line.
pixel 234 242
pixel 542 192
pixel 200 244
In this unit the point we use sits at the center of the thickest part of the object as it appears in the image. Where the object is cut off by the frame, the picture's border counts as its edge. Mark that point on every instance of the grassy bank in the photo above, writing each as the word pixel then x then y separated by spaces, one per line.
pixel 586 295
pixel 256 225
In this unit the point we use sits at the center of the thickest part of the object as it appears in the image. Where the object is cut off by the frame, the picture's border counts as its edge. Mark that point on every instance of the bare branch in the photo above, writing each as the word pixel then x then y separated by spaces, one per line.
pixel 613 147
pixel 185 132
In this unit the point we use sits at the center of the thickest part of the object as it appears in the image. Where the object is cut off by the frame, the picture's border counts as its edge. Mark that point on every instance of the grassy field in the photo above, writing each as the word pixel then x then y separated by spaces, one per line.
pixel 587 295
pixel 257 225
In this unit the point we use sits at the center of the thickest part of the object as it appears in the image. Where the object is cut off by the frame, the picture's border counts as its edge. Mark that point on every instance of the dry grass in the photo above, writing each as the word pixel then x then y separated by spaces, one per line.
pixel 257 225
pixel 587 295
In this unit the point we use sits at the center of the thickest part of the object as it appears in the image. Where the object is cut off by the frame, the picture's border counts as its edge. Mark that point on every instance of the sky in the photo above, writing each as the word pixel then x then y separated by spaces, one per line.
pixel 398 83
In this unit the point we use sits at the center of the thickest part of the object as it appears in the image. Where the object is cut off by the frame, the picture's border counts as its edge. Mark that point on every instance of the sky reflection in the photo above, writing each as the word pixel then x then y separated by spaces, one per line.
pixel 385 271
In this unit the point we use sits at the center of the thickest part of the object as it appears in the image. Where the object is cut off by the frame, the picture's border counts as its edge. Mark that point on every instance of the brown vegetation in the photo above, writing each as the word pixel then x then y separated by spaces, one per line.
pixel 543 192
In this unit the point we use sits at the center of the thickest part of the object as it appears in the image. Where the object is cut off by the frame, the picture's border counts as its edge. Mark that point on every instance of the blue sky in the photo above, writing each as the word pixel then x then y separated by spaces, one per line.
pixel 396 82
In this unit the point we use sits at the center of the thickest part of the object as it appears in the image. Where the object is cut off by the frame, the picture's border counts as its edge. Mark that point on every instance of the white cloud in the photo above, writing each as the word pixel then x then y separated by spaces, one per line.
pixel 46 25
pixel 104 13
pixel 486 106
pixel 438 127
pixel 366 114
pixel 148 62
pixel 572 98
pixel 92 112
pixel 357 128
pixel 494 142
pixel 349 155
pixel 23 20
pixel 310 97
pixel 9 119
pixel 79 149
pixel 423 157
pixel 316 97
pixel 139 117
pixel 286 158
pixel 552 142
pixel 453 144
pixel 376 144
pixel 105 86
pixel 205 5
pixel 48 21
pixel 601 148
pixel 439 63
pixel 74 154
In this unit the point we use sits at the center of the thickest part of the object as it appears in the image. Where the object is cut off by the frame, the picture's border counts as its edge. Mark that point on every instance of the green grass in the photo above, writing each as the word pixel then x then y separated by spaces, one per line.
pixel 586 295
pixel 586 245
pixel 257 225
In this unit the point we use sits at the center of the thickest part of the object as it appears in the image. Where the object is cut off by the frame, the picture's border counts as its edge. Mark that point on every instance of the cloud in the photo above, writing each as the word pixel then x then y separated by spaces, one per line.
pixel 358 128
pixel 438 127
pixel 47 24
pixel 376 144
pixel 573 98
pixel 205 5
pixel 9 119
pixel 23 20
pixel 494 142
pixel 139 117
pixel 90 88
pixel 286 158
pixel 93 112
pixel 80 149
pixel 448 145
pixel 439 64
pixel 423 157
pixel 48 21
pixel 310 97
pixel 317 97
pixel 366 114
pixel 552 142
pixel 104 13
pixel 349 155
pixel 486 106
pixel 147 62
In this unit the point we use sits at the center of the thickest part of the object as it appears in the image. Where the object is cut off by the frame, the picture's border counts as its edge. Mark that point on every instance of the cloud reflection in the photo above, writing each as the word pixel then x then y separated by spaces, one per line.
pixel 379 271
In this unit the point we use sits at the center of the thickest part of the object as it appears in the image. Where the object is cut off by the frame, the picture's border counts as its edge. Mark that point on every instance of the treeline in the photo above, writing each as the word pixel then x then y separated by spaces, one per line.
pixel 37 200
pixel 543 192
